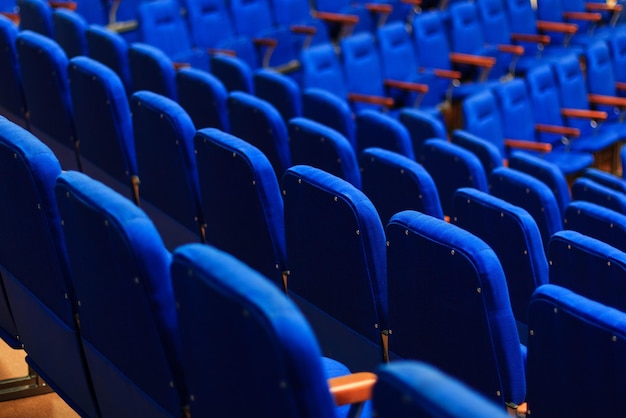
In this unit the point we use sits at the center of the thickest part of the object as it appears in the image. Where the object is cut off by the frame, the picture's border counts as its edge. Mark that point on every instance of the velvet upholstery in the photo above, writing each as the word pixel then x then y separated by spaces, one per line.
pixel 596 221
pixel 203 97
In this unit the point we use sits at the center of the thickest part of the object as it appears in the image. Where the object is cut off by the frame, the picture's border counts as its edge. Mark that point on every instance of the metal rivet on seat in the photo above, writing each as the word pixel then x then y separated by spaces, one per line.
pixel 299 181
pixel 556 310
pixel 614 338
pixel 406 232
pixel 358 232
pixel 479 290
pixel 136 280
pixel 452 252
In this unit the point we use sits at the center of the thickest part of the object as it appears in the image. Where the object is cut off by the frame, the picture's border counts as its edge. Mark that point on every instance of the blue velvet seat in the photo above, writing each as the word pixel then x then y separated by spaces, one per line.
pixel 374 129
pixel 606 179
pixel 602 84
pixel 440 278
pixel 421 126
pixel 119 268
pixel 111 49
pixel 589 190
pixel 203 97
pixel 70 32
pixel 241 198
pixel 487 151
pixel 596 221
pixel 12 93
pixel 280 91
pixel 36 16
pixel 151 69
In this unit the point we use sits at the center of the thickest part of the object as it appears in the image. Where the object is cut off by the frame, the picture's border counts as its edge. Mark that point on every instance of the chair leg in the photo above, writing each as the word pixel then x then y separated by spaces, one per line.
pixel 22 387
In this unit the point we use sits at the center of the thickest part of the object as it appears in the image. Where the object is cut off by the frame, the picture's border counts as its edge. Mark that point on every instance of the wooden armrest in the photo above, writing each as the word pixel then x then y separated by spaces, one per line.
pixel 603 7
pixel 528 145
pixel 13 17
pixel 568 28
pixel 412 2
pixel 352 388
pixel 439 72
pixel 558 130
pixel 479 61
pixel 269 42
pixel 607 100
pixel 336 18
pixel 379 8
pixel 585 16
pixel 584 114
pixel 366 98
pixel 406 85
pixel 220 51
pixel 303 29
pixel 530 37
pixel 72 5
pixel 181 65
pixel 620 85
pixel 511 49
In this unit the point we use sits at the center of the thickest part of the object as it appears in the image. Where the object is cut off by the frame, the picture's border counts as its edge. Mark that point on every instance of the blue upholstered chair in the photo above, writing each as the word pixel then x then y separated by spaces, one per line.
pixel 36 16
pixel 596 221
pixel 152 70
pixel 165 158
pixel 241 198
pixel 513 235
pixel 606 179
pixel 280 91
pixel 487 152
pixel 410 388
pixel 331 110
pixel 111 49
pixel 258 122
pixel 314 144
pixel 119 268
pixel 575 355
pixel 421 126
pixel 602 83
pixel 442 278
pixel 273 368
pixel 35 270
pixel 588 267
pixel 203 97
pixel 103 122
pixel 589 190
pixel 374 129
pixel 395 183
pixel 70 32
pixel 12 93
pixel 336 250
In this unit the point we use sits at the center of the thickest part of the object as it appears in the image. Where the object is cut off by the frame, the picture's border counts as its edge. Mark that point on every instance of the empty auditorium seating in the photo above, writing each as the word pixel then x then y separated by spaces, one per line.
pixel 12 93
pixel 203 97
pixel 596 221
pixel 70 32
pixel 152 70
pixel 589 190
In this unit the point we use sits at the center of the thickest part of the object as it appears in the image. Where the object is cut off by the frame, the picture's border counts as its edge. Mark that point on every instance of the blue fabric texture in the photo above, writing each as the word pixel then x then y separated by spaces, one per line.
pixel 589 190
pixel 203 97
pixel 596 221
pixel 152 70
pixel 374 129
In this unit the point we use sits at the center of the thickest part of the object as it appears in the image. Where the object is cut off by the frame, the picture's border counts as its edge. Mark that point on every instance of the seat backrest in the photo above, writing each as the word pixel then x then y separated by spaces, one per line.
pixel 513 235
pixel 544 96
pixel 111 49
pixel 431 40
pixel 408 388
pixel 552 11
pixel 165 158
pixel 314 144
pixel 575 354
pixel 127 311
pixel 398 57
pixel 152 70
pixel 362 65
pixel 421 126
pixel 203 97
pixel 589 190
pixel 482 117
pixel 572 88
pixel 487 152
pixel 545 171
pixel 531 194
pixel 241 197
pixel 375 129
pixel 258 122
pixel 216 291
pixel 596 221
pixel 280 91
pixel 606 179
pixel 466 34
pixel 395 183
pixel 441 277
pixel 452 167
pixel 589 267
pixel 617 47
pixel 102 117
pixel 516 110
pixel 12 92
pixel 321 69
pixel 36 16
pixel 495 24
pixel 600 75
pixel 331 110
pixel 70 32
pixel 336 249
pixel 235 73
pixel 203 14
pixel 251 16
pixel 162 26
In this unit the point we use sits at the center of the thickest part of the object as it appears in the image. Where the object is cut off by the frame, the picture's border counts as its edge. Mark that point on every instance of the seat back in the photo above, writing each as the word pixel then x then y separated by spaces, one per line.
pixel 546 104
pixel 596 221
pixel 589 190
pixel 280 91
pixel 203 97
pixel 601 77
pixel 111 49
pixel 161 25
pixel 102 116
pixel 335 249
pixel 152 70
pixel 395 183
pixel 241 197
pixel 216 291
pixel 34 267
pixel 487 152
pixel 314 144
pixel 575 354
pixel 203 14
pixel 235 73
pixel 410 388
pixel 398 57
pixel 516 110
pixel 421 126
pixel 258 122
pixel 494 21
pixel 452 167
pixel 331 110
pixel 431 40
pixel 36 16
pixel 321 69
pixel 127 311
pixel 531 194
pixel 374 129
pixel 588 267
pixel 513 235
pixel 482 117
pixel 250 17
pixel 165 158
pixel 362 66
pixel 606 179
pixel 441 277
pixel 70 31
pixel 12 93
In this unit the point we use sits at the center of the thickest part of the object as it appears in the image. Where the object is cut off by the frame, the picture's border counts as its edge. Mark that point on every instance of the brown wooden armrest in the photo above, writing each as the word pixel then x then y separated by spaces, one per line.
pixel 220 51
pixel 479 61
pixel 366 98
pixel 584 114
pixel 303 29
pixel 607 100
pixel 336 18
pixel 528 145
pixel 379 8
pixel 412 2
pixel 352 388
pixel 585 16
pixel 546 26
pixel 181 65
pixel 511 49
pixel 13 17
pixel 72 5
pixel 620 85
pixel 269 42
pixel 406 85
pixel 439 72
pixel 530 37
pixel 558 130
pixel 603 7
